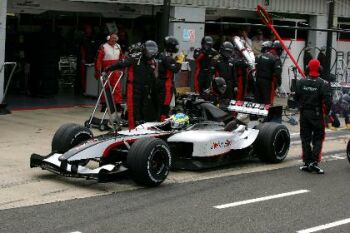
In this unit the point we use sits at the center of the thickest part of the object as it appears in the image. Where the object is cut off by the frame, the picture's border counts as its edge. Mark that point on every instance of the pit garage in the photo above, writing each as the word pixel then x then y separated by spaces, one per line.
pixel 43 38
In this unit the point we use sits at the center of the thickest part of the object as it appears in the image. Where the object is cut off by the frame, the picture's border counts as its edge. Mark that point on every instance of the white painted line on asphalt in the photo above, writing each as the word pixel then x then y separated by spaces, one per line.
pixel 337 156
pixel 76 232
pixel 326 226
pixel 234 204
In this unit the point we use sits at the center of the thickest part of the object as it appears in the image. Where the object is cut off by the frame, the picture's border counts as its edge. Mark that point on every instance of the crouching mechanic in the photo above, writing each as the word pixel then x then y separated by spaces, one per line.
pixel 215 93
pixel 314 97
pixel 223 66
pixel 141 92
pixel 168 66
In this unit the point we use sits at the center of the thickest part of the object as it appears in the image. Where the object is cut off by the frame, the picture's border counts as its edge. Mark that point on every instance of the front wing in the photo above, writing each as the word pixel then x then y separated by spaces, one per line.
pixel 53 164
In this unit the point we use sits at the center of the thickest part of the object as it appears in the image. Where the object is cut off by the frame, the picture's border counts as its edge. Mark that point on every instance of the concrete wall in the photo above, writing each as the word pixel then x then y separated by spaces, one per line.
pixel 188 34
pixel 295 48
pixel 3 12
pixel 317 38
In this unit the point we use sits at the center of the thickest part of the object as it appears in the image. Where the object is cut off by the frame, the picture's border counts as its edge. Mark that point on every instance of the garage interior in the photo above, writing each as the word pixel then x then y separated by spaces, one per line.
pixel 44 41
pixel 43 38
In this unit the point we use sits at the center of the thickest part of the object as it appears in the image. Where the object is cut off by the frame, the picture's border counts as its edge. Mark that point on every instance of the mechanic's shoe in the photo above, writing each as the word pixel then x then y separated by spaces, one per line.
pixel 305 168
pixel 315 168
pixel 348 126
pixel 331 127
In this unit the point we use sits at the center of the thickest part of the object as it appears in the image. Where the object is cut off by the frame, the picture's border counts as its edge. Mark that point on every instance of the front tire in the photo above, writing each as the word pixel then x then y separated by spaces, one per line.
pixel 149 161
pixel 68 136
pixel 272 144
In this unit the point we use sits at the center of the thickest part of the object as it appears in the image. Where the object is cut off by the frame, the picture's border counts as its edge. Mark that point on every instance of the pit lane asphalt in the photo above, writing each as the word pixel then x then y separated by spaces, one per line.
pixel 189 207
pixel 25 132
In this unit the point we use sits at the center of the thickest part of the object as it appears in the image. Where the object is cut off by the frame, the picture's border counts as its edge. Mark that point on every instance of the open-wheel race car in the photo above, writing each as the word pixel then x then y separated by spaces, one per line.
pixel 149 151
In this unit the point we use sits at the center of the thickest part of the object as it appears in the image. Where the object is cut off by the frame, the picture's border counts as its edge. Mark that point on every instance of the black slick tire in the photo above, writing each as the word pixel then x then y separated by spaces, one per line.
pixel 272 143
pixel 68 136
pixel 149 161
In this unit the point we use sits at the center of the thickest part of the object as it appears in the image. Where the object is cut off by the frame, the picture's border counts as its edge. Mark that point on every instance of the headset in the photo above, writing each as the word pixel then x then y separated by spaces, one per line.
pixel 109 36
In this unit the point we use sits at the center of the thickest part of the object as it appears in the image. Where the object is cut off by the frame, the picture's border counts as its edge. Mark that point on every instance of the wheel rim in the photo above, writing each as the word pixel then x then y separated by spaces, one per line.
pixel 281 144
pixel 159 161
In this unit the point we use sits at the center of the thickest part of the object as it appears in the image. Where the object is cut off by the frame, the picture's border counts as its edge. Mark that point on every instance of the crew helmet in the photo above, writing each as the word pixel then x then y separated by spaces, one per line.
pixel 171 44
pixel 226 49
pixel 266 45
pixel 219 85
pixel 278 47
pixel 314 68
pixel 150 49
pixel 207 42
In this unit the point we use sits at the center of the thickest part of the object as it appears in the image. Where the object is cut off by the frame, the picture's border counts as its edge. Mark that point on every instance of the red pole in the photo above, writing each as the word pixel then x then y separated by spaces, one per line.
pixel 287 50
pixel 267 21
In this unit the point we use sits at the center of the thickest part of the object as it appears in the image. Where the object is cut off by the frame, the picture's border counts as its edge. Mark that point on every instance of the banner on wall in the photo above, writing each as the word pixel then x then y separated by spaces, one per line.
pixel 189 35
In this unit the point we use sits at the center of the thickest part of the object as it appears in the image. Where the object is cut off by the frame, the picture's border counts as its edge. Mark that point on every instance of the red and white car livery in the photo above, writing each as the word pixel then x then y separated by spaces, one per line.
pixel 151 149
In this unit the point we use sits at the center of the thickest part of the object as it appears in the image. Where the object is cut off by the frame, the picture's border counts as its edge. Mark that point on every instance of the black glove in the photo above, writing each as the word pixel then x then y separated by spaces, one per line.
pixel 135 55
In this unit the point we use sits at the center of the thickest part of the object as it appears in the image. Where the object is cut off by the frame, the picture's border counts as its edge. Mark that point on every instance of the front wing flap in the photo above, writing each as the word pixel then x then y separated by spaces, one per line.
pixel 53 164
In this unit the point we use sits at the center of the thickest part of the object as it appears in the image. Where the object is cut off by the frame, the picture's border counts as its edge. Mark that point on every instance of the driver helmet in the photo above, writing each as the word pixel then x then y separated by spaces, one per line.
pixel 179 121
pixel 150 49
pixel 219 85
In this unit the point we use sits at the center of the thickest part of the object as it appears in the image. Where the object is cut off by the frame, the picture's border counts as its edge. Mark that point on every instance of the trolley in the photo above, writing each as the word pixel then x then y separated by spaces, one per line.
pixel 114 120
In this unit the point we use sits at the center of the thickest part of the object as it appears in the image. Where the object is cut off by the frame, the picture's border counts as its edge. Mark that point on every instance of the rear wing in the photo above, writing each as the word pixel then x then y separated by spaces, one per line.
pixel 270 113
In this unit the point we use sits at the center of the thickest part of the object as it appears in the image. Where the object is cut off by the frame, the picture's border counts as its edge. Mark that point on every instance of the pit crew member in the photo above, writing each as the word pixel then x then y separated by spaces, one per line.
pixel 203 57
pixel 109 53
pixel 168 66
pixel 141 84
pixel 314 97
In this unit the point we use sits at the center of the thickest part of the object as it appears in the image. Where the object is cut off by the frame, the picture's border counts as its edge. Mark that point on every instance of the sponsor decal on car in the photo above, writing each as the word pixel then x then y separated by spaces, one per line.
pixel 221 144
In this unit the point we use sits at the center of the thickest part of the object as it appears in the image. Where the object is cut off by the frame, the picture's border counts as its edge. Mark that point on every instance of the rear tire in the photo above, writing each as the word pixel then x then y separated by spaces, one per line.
pixel 149 161
pixel 272 144
pixel 68 136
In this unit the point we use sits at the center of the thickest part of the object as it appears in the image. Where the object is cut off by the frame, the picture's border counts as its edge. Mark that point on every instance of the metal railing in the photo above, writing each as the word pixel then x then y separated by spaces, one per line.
pixel 10 77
